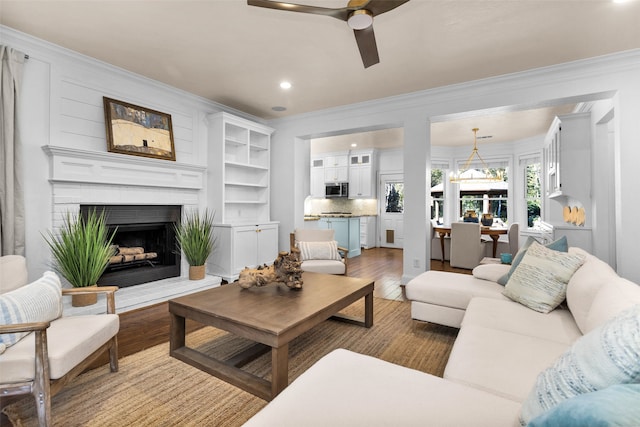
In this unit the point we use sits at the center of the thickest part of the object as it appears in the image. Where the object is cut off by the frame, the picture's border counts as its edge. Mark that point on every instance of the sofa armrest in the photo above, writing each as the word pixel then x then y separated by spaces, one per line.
pixel 108 290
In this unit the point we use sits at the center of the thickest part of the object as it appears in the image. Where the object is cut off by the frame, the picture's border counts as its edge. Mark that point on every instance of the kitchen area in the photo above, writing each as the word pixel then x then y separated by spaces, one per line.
pixel 343 191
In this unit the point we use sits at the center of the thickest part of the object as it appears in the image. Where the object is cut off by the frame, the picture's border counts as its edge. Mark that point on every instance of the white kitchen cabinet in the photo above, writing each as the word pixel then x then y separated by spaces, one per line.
pixel 362 175
pixel 568 157
pixel 368 232
pixel 240 246
pixel 336 168
pixel 316 183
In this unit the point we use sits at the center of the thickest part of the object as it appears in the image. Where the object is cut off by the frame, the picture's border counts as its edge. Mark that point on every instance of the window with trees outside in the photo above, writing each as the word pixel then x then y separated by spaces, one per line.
pixel 438 174
pixel 532 168
pixel 484 196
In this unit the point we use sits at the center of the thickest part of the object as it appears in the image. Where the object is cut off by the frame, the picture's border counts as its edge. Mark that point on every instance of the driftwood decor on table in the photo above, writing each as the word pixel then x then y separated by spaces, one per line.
pixel 285 269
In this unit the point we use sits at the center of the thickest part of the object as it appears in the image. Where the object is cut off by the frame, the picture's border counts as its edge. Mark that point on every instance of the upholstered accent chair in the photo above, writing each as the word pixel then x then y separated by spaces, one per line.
pixel 41 350
pixel 319 251
pixel 467 248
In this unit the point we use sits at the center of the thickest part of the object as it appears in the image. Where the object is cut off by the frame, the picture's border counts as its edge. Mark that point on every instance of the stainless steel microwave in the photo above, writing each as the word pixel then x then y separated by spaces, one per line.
pixel 339 189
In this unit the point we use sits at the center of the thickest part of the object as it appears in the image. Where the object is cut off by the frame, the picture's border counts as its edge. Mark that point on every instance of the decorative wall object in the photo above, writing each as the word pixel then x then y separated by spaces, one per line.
pixel 138 131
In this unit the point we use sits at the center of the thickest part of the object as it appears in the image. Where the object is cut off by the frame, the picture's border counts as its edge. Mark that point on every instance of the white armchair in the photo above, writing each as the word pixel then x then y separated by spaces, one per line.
pixel 319 251
pixel 43 351
pixel 467 248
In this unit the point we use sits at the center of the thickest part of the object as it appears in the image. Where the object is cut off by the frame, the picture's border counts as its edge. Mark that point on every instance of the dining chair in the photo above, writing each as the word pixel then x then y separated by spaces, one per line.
pixel 467 248
pixel 507 243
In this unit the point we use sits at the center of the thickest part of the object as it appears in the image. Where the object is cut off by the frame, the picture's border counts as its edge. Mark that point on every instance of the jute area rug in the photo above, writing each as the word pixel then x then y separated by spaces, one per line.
pixel 153 389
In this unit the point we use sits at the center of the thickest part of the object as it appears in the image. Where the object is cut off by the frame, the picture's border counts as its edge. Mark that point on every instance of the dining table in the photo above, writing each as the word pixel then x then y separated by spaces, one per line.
pixel 493 232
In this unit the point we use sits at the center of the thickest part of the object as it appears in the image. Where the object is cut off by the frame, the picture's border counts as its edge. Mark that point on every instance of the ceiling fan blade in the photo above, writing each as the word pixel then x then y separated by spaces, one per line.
pixel 376 7
pixel 341 13
pixel 366 40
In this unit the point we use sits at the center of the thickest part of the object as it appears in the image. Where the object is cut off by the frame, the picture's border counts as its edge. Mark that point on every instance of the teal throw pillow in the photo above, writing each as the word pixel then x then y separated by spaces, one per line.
pixel 614 406
pixel 606 356
pixel 560 245
pixel 540 281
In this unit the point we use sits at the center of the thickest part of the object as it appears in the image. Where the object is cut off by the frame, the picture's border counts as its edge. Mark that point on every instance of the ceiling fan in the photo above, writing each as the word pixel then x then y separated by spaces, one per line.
pixel 358 14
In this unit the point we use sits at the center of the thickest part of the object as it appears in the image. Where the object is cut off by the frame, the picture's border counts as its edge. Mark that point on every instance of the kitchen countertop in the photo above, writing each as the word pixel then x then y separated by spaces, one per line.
pixel 333 215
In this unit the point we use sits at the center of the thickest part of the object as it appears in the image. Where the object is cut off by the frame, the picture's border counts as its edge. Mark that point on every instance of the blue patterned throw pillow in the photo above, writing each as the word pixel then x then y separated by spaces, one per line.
pixel 606 356
pixel 39 301
pixel 615 406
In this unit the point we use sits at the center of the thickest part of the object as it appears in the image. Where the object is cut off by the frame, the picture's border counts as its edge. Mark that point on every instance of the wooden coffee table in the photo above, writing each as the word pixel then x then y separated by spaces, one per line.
pixel 272 316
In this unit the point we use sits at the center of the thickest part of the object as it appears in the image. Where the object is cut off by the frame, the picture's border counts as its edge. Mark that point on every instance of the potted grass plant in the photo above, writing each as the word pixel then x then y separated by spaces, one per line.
pixel 194 236
pixel 81 252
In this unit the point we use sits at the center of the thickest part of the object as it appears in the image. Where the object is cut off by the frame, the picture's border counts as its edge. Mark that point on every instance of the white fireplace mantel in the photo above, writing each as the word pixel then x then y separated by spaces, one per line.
pixel 83 166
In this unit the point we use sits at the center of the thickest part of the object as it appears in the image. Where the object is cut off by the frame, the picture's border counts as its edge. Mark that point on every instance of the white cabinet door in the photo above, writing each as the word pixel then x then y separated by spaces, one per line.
pixel 267 244
pixel 336 168
pixel 317 178
pixel 245 248
pixel 360 182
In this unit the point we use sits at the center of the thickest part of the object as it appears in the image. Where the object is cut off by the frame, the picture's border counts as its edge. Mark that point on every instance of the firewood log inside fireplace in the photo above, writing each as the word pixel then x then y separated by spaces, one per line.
pixel 130 254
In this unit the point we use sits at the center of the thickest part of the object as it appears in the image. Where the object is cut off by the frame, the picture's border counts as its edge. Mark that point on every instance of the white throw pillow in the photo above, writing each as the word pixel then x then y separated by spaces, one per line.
pixel 319 250
pixel 540 280
pixel 39 301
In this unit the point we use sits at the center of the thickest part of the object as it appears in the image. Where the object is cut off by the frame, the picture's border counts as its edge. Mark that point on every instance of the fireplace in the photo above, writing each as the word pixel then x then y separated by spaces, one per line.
pixel 146 242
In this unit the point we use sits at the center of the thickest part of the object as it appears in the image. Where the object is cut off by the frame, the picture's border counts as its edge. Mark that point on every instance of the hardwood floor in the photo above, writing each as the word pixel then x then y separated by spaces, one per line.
pixel 146 327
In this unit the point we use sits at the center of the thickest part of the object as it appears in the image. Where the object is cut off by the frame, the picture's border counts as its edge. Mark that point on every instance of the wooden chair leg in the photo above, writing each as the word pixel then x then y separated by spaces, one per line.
pixel 113 354
pixel 41 384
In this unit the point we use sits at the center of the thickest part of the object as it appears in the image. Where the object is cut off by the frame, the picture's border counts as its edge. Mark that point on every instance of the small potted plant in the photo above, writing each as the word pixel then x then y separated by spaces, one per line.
pixel 194 236
pixel 81 252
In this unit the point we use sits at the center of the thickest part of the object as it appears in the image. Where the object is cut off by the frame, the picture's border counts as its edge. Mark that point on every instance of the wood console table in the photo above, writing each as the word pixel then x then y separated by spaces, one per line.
pixel 493 232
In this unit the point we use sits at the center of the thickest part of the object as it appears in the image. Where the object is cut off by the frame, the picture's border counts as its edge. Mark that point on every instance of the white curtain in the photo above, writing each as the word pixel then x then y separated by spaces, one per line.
pixel 11 193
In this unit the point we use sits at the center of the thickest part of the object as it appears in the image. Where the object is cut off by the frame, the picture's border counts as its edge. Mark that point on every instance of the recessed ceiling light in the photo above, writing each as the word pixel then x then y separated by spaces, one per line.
pixel 285 85
pixel 279 108
pixel 354 145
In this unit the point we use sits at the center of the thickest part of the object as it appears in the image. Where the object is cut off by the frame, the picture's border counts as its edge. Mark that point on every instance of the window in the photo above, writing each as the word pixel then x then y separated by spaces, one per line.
pixel 437 193
pixel 532 188
pixel 394 197
pixel 486 197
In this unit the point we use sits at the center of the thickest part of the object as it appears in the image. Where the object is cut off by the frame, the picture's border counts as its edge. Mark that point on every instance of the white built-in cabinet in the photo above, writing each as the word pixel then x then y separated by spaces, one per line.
pixel 336 168
pixel 316 184
pixel 368 232
pixel 238 190
pixel 568 157
pixel 362 175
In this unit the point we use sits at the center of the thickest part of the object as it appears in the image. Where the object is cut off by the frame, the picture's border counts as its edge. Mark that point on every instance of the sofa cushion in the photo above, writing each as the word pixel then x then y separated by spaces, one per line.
pixel 71 339
pixel 491 272
pixel 350 389
pixel 450 289
pixel 510 316
pixel 540 280
pixel 606 356
pixel 319 250
pixel 585 284
pixel 500 362
pixel 560 245
pixel 39 301
pixel 614 406
pixel 13 272
pixel 323 266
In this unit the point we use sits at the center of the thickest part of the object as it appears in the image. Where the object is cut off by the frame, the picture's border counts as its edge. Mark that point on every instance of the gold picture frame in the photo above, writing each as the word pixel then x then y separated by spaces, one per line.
pixel 138 131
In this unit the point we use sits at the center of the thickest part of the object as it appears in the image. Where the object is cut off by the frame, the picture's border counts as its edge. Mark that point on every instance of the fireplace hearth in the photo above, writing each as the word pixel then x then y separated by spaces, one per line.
pixel 146 242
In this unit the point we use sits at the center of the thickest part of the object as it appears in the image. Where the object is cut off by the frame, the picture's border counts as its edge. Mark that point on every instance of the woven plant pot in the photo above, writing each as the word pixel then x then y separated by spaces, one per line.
pixel 83 300
pixel 196 272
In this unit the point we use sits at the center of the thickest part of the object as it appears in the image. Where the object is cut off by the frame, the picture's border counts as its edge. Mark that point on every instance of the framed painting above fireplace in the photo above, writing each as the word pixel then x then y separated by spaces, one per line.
pixel 138 131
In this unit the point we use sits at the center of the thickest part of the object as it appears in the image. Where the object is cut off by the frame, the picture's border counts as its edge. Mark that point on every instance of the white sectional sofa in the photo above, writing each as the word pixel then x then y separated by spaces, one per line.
pixel 503 358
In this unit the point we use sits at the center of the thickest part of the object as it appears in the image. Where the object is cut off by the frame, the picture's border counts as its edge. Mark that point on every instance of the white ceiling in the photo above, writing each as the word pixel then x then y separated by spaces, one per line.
pixel 235 54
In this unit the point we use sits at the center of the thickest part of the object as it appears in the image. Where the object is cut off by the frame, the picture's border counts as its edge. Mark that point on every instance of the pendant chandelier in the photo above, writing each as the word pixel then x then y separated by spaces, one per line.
pixel 470 174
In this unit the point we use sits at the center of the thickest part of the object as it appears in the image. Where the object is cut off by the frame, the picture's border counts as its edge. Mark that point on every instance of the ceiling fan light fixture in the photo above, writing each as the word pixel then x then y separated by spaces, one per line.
pixel 360 19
